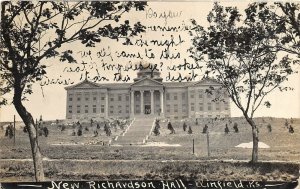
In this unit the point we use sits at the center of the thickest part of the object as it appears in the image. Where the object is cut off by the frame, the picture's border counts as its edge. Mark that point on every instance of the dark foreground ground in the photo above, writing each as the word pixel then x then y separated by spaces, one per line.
pixel 151 170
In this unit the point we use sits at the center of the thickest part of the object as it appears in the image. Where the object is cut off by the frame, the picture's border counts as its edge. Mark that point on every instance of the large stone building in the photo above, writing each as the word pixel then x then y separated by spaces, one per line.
pixel 148 95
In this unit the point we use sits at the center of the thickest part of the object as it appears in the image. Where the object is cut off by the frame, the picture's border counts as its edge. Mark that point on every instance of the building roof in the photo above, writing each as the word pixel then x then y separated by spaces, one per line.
pixel 206 81
pixel 147 78
pixel 117 85
pixel 89 84
pixel 177 84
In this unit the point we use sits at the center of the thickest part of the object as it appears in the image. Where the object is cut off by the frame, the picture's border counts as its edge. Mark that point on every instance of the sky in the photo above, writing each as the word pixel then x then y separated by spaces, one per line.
pixel 50 100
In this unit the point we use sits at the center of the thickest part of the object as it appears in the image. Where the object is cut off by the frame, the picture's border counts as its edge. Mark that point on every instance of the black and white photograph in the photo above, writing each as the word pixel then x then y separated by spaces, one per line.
pixel 150 94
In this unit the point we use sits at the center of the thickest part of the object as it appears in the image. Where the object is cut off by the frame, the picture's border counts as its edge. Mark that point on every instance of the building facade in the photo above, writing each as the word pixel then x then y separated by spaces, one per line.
pixel 148 95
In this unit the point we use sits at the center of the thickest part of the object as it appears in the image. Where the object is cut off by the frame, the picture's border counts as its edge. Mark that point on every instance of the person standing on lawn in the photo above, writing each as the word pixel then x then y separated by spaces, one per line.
pixel 226 129
pixel 205 129
pixel 184 126
pixel 170 127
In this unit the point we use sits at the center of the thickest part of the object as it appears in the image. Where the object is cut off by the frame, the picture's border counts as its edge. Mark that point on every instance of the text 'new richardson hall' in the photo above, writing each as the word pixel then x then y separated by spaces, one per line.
pixel 148 95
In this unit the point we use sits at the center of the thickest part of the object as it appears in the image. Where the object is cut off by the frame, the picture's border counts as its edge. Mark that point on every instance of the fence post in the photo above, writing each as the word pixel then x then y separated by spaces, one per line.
pixel 207 136
pixel 193 146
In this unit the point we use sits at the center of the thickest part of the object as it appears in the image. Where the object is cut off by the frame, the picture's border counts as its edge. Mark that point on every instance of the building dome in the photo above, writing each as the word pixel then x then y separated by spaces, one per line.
pixel 148 71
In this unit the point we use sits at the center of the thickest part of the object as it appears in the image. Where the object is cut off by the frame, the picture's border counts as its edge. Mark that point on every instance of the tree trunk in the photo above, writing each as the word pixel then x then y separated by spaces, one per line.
pixel 254 139
pixel 30 126
pixel 255 144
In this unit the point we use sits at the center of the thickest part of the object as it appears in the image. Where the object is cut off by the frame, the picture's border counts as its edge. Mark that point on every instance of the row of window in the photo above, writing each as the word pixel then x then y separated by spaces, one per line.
pixel 192 107
pixel 87 97
pixel 119 110
pixel 201 94
pixel 86 109
pixel 119 97
pixel 168 108
pixel 94 109
pixel 209 106
pixel 175 96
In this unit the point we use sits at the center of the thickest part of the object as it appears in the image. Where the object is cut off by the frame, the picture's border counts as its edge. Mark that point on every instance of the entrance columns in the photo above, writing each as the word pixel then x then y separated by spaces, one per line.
pixel 161 102
pixel 132 103
pixel 142 102
pixel 152 101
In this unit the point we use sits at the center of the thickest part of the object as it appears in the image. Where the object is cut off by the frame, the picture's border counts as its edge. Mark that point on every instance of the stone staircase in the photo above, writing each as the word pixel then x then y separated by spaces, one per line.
pixel 137 133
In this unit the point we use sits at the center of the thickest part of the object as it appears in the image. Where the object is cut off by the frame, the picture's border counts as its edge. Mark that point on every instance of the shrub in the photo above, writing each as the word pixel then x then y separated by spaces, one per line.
pixel 205 129
pixel 63 127
pixel 235 127
pixel 46 131
pixel 269 127
pixel 79 132
pixel 9 131
pixel 190 131
pixel 184 126
pixel 156 129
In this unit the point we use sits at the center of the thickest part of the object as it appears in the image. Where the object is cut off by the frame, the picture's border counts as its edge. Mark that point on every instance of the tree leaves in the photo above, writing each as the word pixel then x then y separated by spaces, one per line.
pixel 286 19
pixel 67 56
pixel 101 9
pixel 121 31
pixel 89 38
pixel 267 104
pixel 46 13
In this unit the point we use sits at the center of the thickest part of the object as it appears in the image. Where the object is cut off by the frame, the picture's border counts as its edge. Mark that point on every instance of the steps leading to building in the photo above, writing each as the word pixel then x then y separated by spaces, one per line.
pixel 138 132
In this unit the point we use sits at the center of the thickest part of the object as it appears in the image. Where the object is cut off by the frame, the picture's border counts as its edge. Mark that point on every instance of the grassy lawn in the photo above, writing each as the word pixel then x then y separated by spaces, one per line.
pixel 61 145
pixel 284 146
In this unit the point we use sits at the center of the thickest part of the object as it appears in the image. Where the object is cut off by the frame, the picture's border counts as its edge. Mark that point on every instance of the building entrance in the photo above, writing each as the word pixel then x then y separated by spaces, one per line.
pixel 147 109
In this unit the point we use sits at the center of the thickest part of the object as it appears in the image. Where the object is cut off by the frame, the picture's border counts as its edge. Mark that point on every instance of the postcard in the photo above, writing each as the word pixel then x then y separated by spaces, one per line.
pixel 156 94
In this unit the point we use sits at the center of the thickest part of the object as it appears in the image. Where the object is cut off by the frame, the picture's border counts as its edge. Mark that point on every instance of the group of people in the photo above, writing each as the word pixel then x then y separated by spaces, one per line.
pixel 170 127
pixel 269 127
pixel 184 127
pixel 235 128
pixel 41 130
pixel 107 126
pixel 187 128
pixel 107 129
